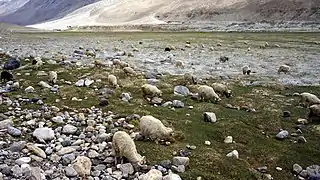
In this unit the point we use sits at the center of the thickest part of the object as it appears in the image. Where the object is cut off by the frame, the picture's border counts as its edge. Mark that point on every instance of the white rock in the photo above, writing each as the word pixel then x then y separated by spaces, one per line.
pixel 88 82
pixel 234 154
pixel 153 174
pixel 210 117
pixel 43 134
pixel 69 129
pixel 29 89
pixel 208 143
pixel 44 84
pixel 278 168
pixel 228 140
pixel 58 119
pixel 80 83
pixel 23 160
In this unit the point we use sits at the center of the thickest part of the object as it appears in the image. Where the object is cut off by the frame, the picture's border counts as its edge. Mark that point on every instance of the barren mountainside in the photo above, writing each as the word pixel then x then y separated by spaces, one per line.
pixel 51 14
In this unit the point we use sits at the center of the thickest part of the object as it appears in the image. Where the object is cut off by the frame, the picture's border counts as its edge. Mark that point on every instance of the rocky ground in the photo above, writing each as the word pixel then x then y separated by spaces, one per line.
pixel 65 131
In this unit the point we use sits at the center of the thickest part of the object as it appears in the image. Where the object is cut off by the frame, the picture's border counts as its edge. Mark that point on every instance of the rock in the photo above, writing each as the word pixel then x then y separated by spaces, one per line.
pixel 88 82
pixel 82 165
pixel 180 161
pixel 177 104
pixel 166 104
pixel 17 146
pixel 208 143
pixel 209 117
pixel 302 121
pixel 29 89
pixel 68 158
pixel 125 97
pixel 36 150
pixel 5 124
pixel 44 85
pixel 156 100
pixel 181 90
pixel 172 176
pixel 70 171
pixel 234 154
pixel 23 160
pixel 313 170
pixel 36 174
pixel 11 64
pixel 93 154
pixel 103 102
pixel 17 171
pixel 14 131
pixel 126 169
pixel 65 150
pixel 223 59
pixel 69 129
pixel 282 134
pixel 180 169
pixel 297 168
pixel 80 83
pixel 43 134
pixel 228 140
pixel 58 119
pixel 278 168
pixel 263 169
pixel 153 174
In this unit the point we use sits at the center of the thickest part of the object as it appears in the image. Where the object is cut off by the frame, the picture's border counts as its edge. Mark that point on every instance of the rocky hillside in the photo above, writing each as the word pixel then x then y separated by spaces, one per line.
pixel 51 14
pixel 24 12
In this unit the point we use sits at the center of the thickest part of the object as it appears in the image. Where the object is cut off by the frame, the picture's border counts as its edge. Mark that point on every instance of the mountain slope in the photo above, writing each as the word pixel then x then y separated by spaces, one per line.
pixel 35 11
pixel 52 14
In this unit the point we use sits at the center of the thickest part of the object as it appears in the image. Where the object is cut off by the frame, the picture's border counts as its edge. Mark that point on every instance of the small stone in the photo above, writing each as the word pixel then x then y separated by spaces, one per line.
pixel 313 171
pixel 181 91
pixel 43 134
pixel 36 150
pixel 103 102
pixel 70 171
pixel 82 165
pixel 228 140
pixel 14 131
pixel 65 150
pixel 297 168
pixel 268 176
pixel 80 83
pixel 302 121
pixel 167 104
pixel 177 104
pixel 88 82
pixel 210 117
pixel 234 154
pixel 29 89
pixel 127 169
pixel 208 143
pixel 152 174
pixel 282 134
pixel 5 124
pixel 263 169
pixel 178 160
pixel 69 129
pixel 93 154
pixel 23 160
pixel 156 100
pixel 278 168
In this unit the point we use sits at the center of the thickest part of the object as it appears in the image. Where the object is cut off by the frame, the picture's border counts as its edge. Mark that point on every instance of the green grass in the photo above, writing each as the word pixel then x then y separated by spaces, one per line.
pixel 210 162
